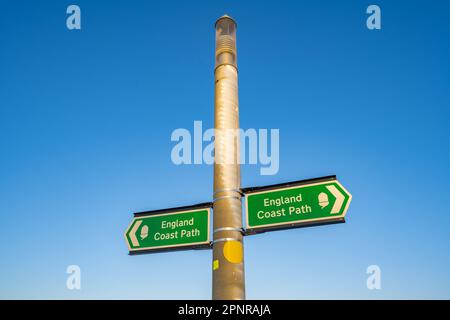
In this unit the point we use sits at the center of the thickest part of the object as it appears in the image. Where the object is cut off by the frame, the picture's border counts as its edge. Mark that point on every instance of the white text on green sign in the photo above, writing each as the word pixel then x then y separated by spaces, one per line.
pixel 167 230
pixel 294 205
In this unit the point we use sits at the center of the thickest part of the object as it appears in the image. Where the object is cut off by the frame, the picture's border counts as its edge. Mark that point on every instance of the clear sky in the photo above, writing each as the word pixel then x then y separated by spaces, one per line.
pixel 86 118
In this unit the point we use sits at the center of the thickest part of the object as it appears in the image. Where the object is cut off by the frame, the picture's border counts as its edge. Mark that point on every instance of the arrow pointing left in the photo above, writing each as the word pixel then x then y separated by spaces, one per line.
pixel 133 231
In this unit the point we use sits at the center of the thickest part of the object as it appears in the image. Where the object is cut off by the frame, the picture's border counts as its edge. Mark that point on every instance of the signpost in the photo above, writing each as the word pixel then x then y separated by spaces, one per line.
pixel 296 204
pixel 170 229
pixel 289 205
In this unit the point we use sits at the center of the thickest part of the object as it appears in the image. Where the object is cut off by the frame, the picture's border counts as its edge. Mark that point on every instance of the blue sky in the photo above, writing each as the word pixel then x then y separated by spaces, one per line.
pixel 86 118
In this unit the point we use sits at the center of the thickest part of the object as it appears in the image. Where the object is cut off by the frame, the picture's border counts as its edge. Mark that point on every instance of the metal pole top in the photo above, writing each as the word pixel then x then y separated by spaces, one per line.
pixel 225 16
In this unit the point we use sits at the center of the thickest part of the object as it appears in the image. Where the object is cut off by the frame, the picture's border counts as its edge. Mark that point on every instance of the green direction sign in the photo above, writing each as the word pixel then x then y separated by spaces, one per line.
pixel 169 229
pixel 294 205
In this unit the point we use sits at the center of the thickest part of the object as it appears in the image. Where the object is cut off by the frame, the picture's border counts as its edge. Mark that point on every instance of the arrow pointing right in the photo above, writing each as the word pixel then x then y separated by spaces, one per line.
pixel 339 199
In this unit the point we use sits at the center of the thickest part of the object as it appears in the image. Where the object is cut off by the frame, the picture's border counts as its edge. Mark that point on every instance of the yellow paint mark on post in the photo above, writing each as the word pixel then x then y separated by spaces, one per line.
pixel 233 252
pixel 215 264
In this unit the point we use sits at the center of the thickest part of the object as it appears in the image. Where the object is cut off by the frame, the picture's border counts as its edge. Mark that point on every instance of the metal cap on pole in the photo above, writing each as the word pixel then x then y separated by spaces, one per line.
pixel 228 257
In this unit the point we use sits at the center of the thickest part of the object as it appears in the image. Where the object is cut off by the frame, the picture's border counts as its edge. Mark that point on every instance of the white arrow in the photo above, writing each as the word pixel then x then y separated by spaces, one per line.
pixel 133 231
pixel 339 199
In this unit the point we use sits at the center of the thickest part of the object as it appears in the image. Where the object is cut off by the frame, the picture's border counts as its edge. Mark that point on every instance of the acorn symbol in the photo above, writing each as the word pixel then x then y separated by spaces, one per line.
pixel 323 200
pixel 144 232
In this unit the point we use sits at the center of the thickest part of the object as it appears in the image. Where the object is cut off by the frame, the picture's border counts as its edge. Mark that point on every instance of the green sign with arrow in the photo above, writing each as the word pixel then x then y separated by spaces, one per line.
pixel 294 205
pixel 169 229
